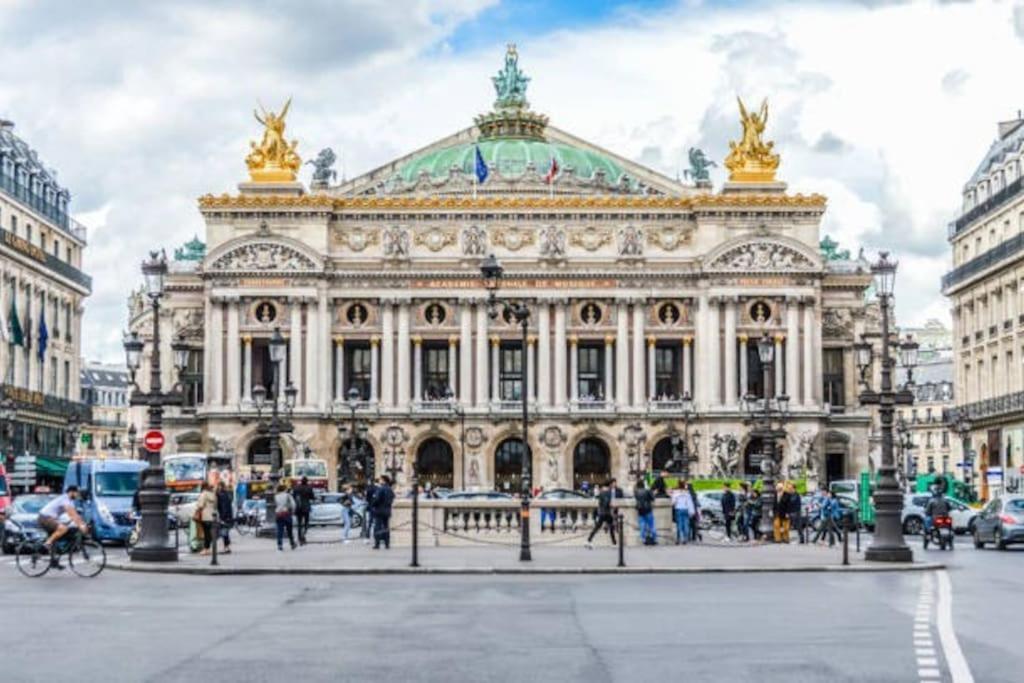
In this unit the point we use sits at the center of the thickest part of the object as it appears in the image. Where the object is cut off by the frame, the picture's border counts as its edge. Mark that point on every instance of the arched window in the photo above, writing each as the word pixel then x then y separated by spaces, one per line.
pixel 591 463
pixel 508 466
pixel 435 463
pixel 259 452
pixel 661 456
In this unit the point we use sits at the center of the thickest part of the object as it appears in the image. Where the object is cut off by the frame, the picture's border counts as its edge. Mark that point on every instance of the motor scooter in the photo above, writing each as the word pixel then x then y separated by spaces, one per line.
pixel 940 533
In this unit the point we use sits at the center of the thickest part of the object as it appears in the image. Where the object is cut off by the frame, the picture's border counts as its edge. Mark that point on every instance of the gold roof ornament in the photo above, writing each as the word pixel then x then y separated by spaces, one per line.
pixel 751 159
pixel 274 159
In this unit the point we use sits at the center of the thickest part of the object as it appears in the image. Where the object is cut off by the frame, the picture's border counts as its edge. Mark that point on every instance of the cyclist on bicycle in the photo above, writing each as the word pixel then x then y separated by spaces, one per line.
pixel 49 516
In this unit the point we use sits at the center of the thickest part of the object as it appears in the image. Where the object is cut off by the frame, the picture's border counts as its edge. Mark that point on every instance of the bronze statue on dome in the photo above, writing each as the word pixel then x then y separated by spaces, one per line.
pixel 510 83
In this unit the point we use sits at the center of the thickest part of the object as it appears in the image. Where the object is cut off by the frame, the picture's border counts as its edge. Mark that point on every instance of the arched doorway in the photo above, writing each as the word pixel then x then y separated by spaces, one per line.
pixel 259 453
pixel 661 456
pixel 357 470
pixel 591 463
pixel 752 456
pixel 508 465
pixel 435 463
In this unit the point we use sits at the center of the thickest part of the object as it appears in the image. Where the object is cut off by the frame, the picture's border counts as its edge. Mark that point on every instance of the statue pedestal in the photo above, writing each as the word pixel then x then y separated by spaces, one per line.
pixel 753 187
pixel 289 188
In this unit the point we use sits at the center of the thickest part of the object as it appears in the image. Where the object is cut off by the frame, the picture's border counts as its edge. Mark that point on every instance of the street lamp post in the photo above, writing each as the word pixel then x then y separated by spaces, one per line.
pixel 888 544
pixel 353 440
pixel 763 414
pixel 154 543
pixel 277 425
pixel 681 445
pixel 905 441
pixel 492 272
pixel 132 435
pixel 962 426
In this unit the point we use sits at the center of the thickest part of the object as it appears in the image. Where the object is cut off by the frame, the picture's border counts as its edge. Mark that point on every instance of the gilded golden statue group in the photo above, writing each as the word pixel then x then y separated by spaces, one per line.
pixel 274 159
pixel 751 160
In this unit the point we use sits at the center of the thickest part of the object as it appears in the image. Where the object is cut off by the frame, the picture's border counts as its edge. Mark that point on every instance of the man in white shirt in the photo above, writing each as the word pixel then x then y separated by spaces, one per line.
pixel 49 516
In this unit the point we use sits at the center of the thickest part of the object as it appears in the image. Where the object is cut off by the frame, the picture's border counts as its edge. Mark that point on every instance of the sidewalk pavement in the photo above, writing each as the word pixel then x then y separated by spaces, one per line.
pixel 325 554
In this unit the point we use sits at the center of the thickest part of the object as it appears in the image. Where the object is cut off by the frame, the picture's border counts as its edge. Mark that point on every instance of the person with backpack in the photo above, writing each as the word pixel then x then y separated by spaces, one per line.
pixel 284 509
pixel 304 495
pixel 605 515
pixel 645 513
pixel 682 512
pixel 728 508
pixel 225 514
pixel 381 502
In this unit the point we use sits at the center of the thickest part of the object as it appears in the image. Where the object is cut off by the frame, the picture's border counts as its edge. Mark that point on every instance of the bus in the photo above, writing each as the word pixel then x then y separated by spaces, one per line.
pixel 186 472
pixel 313 469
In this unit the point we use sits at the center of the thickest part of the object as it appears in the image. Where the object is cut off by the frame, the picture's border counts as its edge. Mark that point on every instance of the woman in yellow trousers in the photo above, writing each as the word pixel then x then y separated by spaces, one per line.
pixel 780 521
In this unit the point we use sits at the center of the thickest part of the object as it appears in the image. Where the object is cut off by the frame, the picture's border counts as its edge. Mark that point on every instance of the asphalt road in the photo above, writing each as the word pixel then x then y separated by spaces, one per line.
pixel 737 627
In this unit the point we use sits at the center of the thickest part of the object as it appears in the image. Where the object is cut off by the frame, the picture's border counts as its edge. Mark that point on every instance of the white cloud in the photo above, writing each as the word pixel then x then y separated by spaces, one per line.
pixel 143 109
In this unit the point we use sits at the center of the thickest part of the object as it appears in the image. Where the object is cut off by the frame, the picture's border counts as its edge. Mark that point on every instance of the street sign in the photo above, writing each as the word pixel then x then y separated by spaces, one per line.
pixel 153 440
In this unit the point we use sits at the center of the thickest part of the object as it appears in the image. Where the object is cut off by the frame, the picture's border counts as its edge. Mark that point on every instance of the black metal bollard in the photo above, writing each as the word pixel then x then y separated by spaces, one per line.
pixel 216 537
pixel 415 523
pixel 620 522
pixel 846 541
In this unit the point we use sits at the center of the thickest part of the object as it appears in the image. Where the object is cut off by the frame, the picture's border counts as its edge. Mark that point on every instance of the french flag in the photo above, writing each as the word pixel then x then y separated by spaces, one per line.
pixel 552 171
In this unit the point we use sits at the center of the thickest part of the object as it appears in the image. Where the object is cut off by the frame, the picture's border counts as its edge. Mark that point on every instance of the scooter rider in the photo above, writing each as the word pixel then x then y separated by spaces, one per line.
pixel 937 506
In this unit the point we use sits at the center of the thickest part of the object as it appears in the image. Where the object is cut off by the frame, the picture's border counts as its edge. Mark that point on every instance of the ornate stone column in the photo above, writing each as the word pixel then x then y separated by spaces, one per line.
pixel 609 367
pixel 374 369
pixel 714 343
pixel 463 369
pixel 744 369
pixel 417 369
pixel 560 351
pixel 543 383
pixel 314 372
pixel 482 376
pixel 622 354
pixel 639 375
pixel 387 353
pixel 323 346
pixel 810 371
pixel 651 351
pixel 793 350
pixel 455 371
pixel 234 355
pixel 779 383
pixel 729 340
pixel 574 369
pixel 217 337
pixel 531 363
pixel 208 361
pixel 688 366
pixel 247 368
pixel 495 386
pixel 339 368
pixel 295 346
pixel 404 349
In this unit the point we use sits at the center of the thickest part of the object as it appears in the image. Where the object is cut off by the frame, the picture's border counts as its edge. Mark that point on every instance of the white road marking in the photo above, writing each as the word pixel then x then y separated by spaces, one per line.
pixel 959 671
pixel 928 673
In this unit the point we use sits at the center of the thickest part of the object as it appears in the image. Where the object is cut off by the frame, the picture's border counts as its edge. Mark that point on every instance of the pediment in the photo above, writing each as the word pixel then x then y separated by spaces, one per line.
pixel 262 256
pixel 762 255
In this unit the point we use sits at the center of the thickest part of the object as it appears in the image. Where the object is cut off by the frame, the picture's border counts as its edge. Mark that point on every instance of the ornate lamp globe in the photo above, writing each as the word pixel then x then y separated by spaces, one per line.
pixel 154 271
pixel 492 272
pixel 277 346
pixel 765 349
pixel 133 352
pixel 884 272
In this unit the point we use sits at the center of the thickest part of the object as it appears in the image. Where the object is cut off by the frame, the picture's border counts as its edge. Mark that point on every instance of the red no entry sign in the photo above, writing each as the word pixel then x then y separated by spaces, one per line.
pixel 153 440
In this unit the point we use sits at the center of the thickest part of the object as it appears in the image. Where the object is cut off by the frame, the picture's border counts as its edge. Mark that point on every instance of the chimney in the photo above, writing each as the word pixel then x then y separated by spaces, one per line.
pixel 6 124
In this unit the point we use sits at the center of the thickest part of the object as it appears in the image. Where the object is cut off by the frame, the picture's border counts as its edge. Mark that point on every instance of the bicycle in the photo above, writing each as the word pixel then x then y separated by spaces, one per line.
pixel 86 556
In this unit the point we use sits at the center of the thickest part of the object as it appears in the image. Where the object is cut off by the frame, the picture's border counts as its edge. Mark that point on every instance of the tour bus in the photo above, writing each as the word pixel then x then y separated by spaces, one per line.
pixel 107 487
pixel 313 469
pixel 186 472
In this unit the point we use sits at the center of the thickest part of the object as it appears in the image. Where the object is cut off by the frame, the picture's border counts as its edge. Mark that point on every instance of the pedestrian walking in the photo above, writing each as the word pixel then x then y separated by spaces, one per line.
pixel 645 513
pixel 605 515
pixel 682 511
pixel 304 495
pixel 346 513
pixel 743 512
pixel 780 514
pixel 547 515
pixel 795 511
pixel 728 508
pixel 225 514
pixel 284 509
pixel 383 499
pixel 754 505
pixel 828 512
pixel 206 505
pixel 695 534
pixel 367 530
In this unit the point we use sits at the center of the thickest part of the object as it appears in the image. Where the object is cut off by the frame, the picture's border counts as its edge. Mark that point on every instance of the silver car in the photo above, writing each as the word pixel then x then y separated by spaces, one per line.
pixel 913 514
pixel 1001 522
pixel 326 510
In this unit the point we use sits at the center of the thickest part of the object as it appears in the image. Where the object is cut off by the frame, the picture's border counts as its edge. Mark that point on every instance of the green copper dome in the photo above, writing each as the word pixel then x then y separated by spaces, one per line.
pixel 509 157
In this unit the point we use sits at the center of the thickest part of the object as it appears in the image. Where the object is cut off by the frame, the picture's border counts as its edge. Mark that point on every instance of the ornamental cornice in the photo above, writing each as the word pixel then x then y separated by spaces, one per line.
pixel 211 202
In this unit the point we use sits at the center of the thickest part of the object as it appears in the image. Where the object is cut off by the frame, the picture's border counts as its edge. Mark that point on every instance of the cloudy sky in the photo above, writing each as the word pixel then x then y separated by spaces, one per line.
pixel 885 107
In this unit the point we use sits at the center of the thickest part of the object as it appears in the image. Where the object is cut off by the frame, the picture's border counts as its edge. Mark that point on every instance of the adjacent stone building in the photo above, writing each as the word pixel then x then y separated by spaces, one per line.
pixel 105 389
pixel 641 289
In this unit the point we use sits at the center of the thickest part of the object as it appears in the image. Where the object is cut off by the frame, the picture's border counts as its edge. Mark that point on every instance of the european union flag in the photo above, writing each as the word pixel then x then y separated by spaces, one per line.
pixel 44 336
pixel 481 167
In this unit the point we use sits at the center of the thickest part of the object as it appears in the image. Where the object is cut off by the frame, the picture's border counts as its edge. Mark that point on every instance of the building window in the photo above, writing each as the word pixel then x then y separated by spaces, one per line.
pixel 833 377
pixel 52 388
pixel 510 371
pixel 358 368
pixel 666 372
pixel 945 439
pixel 192 379
pixel 591 372
pixel 436 379
pixel 14 224
pixel 67 379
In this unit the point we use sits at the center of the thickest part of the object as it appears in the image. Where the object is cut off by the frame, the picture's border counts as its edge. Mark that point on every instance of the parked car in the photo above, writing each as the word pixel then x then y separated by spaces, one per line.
pixel 182 506
pixel 913 514
pixel 1001 522
pixel 253 511
pixel 327 510
pixel 561 494
pixel 710 504
pixel 21 520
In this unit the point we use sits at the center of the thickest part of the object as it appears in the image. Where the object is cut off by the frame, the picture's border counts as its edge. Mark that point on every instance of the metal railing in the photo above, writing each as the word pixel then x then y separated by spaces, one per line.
pixel 1010 247
pixel 23 194
pixel 990 407
pixel 995 201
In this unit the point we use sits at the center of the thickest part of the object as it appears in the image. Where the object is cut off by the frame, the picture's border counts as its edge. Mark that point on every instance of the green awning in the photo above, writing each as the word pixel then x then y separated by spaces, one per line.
pixel 48 466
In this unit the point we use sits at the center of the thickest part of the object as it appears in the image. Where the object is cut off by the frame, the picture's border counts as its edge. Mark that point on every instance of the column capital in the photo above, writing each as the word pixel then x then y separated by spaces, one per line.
pixel 779 338
pixel 687 340
pixel 531 340
pixel 573 339
pixel 453 340
pixel 417 340
pixel 247 338
pixel 744 338
pixel 495 340
pixel 651 340
pixel 339 340
pixel 609 339
pixel 374 340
